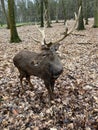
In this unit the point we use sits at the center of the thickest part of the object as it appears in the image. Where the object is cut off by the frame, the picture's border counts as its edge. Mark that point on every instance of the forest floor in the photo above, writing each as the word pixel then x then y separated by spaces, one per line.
pixel 75 105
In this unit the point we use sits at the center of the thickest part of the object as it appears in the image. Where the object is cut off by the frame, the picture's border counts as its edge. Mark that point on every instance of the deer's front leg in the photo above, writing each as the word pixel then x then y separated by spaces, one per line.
pixel 50 90
pixel 52 84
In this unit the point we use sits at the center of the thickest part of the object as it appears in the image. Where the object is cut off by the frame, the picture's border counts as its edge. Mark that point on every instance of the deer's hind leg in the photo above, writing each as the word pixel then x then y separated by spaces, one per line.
pixel 21 76
pixel 28 79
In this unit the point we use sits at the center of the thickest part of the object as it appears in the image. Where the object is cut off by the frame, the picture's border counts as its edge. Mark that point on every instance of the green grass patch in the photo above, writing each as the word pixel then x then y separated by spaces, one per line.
pixel 18 24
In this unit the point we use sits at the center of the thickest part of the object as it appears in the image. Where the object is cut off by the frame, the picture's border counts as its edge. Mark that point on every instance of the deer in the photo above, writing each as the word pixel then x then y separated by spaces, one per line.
pixel 46 64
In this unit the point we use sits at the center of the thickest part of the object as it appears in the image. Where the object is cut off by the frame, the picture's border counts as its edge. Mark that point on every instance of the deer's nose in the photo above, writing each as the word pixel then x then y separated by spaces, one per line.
pixel 57 73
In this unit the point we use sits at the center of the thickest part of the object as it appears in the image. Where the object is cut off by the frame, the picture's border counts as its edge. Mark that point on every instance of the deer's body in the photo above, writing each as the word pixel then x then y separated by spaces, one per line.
pixel 45 65
pixel 25 61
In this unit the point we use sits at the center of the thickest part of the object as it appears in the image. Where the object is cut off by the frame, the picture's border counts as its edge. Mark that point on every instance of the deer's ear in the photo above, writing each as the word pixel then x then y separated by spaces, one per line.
pixel 32 62
pixel 55 47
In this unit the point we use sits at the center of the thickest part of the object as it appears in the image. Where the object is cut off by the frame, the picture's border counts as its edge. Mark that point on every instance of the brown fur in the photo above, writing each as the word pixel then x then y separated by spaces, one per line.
pixel 45 65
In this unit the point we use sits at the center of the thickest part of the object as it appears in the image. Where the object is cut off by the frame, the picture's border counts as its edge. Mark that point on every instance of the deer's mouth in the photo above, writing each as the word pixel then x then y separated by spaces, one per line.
pixel 55 76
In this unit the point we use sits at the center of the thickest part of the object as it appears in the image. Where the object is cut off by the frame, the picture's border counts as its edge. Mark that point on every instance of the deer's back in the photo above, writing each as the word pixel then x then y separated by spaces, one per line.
pixel 24 59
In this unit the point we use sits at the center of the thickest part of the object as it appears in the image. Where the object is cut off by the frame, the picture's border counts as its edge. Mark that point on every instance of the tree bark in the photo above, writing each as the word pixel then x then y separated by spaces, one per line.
pixel 46 2
pixel 96 14
pixel 14 34
pixel 6 16
pixel 81 22
pixel 57 10
pixel 64 11
pixel 86 11
pixel 42 12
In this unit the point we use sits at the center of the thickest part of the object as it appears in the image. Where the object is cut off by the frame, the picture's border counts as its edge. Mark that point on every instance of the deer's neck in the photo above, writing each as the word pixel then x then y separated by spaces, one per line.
pixel 36 71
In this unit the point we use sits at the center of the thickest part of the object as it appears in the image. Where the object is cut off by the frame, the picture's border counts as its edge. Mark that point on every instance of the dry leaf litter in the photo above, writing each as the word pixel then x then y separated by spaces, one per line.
pixel 75 105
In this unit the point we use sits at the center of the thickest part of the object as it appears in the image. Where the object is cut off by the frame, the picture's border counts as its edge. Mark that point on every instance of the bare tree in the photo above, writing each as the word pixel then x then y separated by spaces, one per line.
pixel 64 10
pixel 14 35
pixel 96 14
pixel 86 2
pixel 57 10
pixel 6 16
pixel 81 22
pixel 46 2
pixel 42 13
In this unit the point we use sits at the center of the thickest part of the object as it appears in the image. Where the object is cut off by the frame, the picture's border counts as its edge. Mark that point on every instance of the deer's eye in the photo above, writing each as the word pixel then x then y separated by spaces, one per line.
pixel 44 55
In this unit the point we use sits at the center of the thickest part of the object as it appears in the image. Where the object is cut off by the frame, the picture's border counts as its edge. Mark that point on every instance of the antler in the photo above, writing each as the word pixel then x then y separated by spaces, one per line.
pixel 42 31
pixel 67 32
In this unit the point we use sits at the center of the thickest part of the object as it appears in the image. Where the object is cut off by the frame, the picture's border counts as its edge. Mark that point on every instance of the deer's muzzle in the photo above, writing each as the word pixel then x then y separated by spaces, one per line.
pixel 57 74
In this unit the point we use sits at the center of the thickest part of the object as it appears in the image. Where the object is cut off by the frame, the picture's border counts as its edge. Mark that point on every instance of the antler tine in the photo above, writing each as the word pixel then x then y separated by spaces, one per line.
pixel 42 31
pixel 36 40
pixel 76 18
pixel 66 33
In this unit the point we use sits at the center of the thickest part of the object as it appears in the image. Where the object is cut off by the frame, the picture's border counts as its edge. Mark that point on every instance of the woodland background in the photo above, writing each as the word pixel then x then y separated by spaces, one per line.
pixel 75 105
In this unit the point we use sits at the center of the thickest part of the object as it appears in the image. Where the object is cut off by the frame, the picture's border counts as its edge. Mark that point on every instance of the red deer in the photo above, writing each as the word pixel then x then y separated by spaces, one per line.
pixel 45 65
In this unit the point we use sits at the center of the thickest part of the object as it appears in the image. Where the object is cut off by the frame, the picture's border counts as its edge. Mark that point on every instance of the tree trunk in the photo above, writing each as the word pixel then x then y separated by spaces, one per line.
pixel 86 11
pixel 96 14
pixel 6 16
pixel 46 2
pixel 81 22
pixel 42 12
pixel 64 11
pixel 14 35
pixel 57 10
